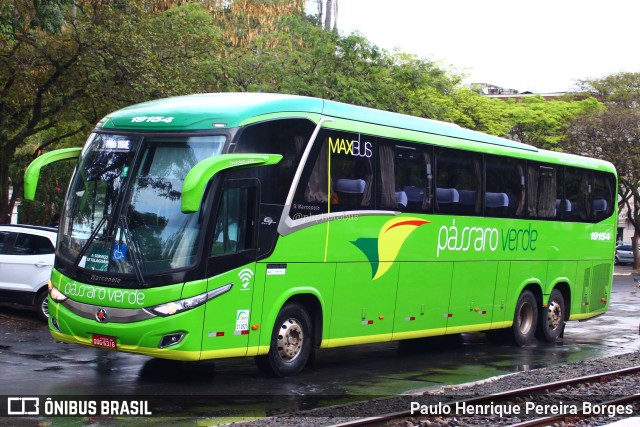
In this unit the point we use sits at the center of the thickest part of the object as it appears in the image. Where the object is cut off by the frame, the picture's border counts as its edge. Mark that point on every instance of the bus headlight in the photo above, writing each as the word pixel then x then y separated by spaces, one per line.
pixel 55 294
pixel 174 307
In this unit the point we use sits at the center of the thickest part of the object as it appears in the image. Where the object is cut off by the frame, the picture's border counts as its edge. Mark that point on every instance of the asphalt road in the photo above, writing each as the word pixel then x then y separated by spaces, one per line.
pixel 33 363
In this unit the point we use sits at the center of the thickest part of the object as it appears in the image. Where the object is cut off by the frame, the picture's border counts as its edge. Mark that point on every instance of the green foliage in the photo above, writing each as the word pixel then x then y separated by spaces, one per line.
pixel 22 16
pixel 621 89
pixel 542 123
pixel 65 64
pixel 56 85
pixel 471 110
pixel 613 133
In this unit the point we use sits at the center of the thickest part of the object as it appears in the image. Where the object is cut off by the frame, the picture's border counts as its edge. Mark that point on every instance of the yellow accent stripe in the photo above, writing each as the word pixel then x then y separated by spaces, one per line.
pixel 326 243
pixel 584 316
pixel 468 328
pixel 419 334
pixel 446 331
pixel 262 349
pixel 502 325
pixel 230 352
pixel 366 339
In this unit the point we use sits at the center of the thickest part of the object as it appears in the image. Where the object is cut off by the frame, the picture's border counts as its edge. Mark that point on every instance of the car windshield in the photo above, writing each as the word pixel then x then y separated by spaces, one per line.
pixel 125 217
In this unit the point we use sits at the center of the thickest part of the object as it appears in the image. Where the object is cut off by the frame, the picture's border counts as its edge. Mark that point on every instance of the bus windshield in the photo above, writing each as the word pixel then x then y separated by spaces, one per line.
pixel 118 223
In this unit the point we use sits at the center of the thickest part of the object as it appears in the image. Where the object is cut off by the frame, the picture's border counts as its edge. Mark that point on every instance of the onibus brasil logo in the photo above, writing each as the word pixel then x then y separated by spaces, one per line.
pixel 383 250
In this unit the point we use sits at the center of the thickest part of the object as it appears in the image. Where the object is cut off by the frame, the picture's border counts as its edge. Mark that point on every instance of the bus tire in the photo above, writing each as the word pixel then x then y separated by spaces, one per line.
pixel 291 343
pixel 551 320
pixel 525 319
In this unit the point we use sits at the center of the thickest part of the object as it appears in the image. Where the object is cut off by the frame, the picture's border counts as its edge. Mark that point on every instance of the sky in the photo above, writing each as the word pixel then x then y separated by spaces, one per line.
pixel 541 46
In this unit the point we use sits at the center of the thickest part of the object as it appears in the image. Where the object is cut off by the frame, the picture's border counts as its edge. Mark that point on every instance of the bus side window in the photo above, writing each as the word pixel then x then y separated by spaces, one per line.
pixel 578 188
pixel 405 179
pixel 234 223
pixel 563 207
pixel 287 137
pixel 603 185
pixel 541 191
pixel 311 193
pixel 351 159
pixel 458 182
pixel 505 187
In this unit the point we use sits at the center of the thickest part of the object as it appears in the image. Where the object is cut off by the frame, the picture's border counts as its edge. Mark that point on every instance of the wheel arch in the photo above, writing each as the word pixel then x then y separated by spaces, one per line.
pixel 42 287
pixel 310 299
pixel 535 288
pixel 314 308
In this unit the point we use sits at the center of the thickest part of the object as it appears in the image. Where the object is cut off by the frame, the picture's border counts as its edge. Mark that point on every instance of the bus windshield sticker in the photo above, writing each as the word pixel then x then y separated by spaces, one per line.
pixel 119 252
pixel 97 259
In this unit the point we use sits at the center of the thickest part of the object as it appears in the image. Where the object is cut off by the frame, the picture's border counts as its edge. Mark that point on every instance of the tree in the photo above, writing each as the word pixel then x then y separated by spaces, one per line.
pixel 614 134
pixel 541 122
pixel 621 89
pixel 64 66
pixel 92 57
pixel 473 111
pixel 330 7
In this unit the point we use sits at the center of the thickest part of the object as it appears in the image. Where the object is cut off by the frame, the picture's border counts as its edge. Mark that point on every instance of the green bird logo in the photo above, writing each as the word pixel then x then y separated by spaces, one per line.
pixel 383 251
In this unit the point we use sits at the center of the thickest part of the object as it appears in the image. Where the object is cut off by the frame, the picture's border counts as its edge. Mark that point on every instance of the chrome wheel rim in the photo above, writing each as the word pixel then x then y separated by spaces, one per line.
pixel 554 315
pixel 290 339
pixel 45 306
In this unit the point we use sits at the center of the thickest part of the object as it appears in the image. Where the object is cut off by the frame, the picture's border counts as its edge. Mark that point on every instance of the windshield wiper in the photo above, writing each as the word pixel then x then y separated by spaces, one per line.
pixel 135 259
pixel 85 247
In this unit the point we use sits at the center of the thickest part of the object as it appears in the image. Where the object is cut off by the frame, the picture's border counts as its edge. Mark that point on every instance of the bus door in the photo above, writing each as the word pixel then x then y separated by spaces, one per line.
pixel 232 261
pixel 472 294
pixel 422 305
pixel 365 289
pixel 363 307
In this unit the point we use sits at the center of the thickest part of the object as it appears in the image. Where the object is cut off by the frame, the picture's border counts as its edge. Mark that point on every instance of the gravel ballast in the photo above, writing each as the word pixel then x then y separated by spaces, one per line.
pixel 625 386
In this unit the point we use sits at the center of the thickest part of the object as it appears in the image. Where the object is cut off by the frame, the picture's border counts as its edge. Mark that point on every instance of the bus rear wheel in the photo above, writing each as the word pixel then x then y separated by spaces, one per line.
pixel 552 321
pixel 291 343
pixel 525 319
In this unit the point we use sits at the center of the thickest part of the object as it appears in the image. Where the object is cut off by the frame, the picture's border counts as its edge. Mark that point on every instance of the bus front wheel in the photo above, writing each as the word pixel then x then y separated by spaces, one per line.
pixel 525 319
pixel 291 343
pixel 552 322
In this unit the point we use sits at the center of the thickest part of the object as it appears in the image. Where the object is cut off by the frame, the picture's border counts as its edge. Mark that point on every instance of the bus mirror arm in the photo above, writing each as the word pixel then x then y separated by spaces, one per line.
pixel 32 174
pixel 198 177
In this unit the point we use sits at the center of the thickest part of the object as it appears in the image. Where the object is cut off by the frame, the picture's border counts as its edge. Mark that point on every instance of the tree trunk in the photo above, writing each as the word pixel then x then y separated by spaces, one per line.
pixel 320 3
pixel 5 206
pixel 328 15
pixel 634 247
pixel 335 16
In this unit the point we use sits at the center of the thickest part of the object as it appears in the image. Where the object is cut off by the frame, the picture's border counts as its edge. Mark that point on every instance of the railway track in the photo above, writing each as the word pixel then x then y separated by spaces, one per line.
pixel 568 402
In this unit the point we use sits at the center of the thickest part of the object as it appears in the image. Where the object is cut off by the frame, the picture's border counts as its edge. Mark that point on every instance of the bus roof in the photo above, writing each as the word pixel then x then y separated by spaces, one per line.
pixel 207 111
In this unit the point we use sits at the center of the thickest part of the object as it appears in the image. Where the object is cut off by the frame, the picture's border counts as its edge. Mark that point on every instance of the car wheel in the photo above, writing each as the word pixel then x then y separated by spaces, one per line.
pixel 42 304
pixel 617 260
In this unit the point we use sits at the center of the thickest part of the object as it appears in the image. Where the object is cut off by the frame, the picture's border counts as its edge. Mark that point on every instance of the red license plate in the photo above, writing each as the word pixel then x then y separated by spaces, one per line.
pixel 104 341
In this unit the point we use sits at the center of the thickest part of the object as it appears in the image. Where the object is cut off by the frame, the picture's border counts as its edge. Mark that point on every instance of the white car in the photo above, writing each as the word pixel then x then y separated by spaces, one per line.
pixel 624 254
pixel 26 260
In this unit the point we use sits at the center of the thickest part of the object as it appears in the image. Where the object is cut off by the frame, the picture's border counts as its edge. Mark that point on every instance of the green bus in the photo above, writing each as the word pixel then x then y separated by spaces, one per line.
pixel 248 224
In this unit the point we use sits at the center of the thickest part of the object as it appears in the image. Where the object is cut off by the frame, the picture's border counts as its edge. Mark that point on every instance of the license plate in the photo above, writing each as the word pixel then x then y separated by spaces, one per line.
pixel 104 341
